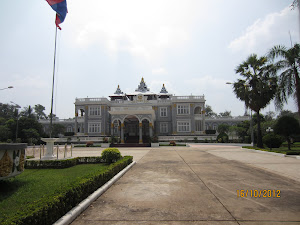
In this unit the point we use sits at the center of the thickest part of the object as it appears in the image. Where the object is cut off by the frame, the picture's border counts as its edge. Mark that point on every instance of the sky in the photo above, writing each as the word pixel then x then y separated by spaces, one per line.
pixel 191 46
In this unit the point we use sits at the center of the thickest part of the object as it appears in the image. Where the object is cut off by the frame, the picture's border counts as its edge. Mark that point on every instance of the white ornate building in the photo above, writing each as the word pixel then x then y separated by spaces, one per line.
pixel 136 116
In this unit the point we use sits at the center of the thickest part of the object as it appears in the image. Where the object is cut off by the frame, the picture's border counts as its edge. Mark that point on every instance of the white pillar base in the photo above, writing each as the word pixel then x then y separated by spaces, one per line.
pixel 49 150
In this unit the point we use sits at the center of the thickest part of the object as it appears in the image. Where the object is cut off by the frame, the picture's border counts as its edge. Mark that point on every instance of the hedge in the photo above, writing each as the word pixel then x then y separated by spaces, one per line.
pixel 210 131
pixel 49 210
pixel 60 164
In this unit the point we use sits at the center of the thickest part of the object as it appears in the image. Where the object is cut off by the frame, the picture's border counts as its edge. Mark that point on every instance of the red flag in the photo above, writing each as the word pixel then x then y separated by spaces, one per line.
pixel 60 7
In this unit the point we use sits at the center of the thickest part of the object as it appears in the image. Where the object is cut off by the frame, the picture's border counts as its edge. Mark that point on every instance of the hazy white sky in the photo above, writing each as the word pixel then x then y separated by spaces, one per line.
pixel 192 46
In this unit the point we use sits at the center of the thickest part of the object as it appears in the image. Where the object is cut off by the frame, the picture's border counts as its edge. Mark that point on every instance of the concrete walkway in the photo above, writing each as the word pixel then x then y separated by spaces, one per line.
pixel 198 185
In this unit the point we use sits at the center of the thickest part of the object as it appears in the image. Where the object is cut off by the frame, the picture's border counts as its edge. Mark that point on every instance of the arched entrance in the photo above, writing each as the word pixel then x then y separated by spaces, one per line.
pixel 131 129
pixel 145 131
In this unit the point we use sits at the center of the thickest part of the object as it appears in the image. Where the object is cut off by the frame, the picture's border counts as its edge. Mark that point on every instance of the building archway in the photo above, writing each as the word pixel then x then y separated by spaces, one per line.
pixel 146 131
pixel 131 129
pixel 198 110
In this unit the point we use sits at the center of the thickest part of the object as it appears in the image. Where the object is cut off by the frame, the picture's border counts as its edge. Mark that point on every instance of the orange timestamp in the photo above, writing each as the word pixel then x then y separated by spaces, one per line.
pixel 266 193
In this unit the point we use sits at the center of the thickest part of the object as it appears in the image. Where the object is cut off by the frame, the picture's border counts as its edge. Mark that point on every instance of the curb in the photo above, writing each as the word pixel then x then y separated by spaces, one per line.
pixel 70 216
pixel 265 152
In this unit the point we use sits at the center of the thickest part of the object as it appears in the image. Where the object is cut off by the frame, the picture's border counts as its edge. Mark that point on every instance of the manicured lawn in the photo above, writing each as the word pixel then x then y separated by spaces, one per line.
pixel 295 150
pixel 35 184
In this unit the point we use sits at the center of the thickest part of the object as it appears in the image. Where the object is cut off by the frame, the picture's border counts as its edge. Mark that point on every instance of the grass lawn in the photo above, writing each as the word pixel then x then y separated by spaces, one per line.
pixel 35 184
pixel 295 149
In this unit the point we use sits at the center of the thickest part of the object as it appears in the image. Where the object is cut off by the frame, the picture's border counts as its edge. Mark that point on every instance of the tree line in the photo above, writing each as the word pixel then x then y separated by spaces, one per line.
pixel 23 126
pixel 274 76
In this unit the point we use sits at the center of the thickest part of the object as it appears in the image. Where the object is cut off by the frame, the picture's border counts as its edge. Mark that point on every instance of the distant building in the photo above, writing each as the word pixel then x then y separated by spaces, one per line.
pixel 135 116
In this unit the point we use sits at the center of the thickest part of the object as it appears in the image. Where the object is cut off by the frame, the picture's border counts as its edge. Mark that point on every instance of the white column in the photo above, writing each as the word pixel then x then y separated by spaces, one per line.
pixel 76 124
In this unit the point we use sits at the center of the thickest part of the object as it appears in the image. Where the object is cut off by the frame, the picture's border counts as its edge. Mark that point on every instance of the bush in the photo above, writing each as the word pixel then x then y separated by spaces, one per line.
pixel 60 164
pixel 113 140
pixel 222 138
pixel 68 134
pixel 111 155
pixel 47 210
pixel 272 140
pixel 196 140
pixel 89 144
pixel 210 131
pixel 172 143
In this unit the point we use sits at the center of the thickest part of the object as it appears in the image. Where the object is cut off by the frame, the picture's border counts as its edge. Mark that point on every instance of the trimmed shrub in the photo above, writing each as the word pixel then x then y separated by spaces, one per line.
pixel 210 131
pixel 272 140
pixel 60 164
pixel 113 140
pixel 111 155
pixel 47 210
pixel 172 143
pixel 68 134
pixel 89 144
pixel 222 138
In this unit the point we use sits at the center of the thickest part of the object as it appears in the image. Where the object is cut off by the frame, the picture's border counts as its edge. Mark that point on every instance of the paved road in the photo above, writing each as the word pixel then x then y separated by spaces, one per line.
pixel 198 185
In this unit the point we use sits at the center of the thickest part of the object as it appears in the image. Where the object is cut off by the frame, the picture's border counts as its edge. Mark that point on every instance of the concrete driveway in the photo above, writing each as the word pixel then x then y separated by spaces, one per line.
pixel 198 185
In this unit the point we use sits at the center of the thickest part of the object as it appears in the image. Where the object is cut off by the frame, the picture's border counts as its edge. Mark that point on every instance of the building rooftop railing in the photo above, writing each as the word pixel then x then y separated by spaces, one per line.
pixel 240 118
pixel 191 98
pixel 90 100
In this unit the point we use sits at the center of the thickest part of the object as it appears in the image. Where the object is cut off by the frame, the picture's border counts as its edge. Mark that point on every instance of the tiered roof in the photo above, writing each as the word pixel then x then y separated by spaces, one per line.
pixel 142 89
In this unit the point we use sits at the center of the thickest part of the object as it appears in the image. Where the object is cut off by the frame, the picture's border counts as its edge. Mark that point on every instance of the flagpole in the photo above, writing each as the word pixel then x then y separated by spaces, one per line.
pixel 51 113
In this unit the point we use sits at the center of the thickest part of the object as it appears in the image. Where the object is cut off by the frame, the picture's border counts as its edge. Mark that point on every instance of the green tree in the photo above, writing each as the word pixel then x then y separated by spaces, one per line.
pixel 5 133
pixel 26 123
pixel 32 135
pixel 58 129
pixel 287 126
pixel 6 111
pixel 28 112
pixel 232 131
pixel 223 128
pixel 287 64
pixel 243 129
pixel 285 113
pixel 39 111
pixel 225 114
pixel 270 116
pixel 258 87
pixel 209 112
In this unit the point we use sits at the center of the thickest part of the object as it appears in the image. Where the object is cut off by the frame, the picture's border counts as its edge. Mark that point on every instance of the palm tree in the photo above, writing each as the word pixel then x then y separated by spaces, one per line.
pixel 28 112
pixel 258 87
pixel 288 66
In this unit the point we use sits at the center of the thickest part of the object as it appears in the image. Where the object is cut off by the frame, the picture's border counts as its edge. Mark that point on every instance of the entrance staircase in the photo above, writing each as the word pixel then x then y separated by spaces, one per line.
pixel 131 141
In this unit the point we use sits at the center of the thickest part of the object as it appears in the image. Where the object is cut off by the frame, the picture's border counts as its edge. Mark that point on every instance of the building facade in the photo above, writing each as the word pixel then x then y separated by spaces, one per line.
pixel 140 114
pixel 133 117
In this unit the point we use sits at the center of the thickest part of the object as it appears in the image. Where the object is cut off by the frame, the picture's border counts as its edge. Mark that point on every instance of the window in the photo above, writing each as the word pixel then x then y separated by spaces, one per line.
pixel 94 111
pixel 95 127
pixel 183 109
pixel 69 129
pixel 163 127
pixel 183 126
pixel 163 112
pixel 198 125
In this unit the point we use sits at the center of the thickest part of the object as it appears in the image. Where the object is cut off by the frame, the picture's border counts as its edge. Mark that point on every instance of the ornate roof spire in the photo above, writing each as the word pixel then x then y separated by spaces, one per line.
pixel 142 86
pixel 163 90
pixel 118 91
